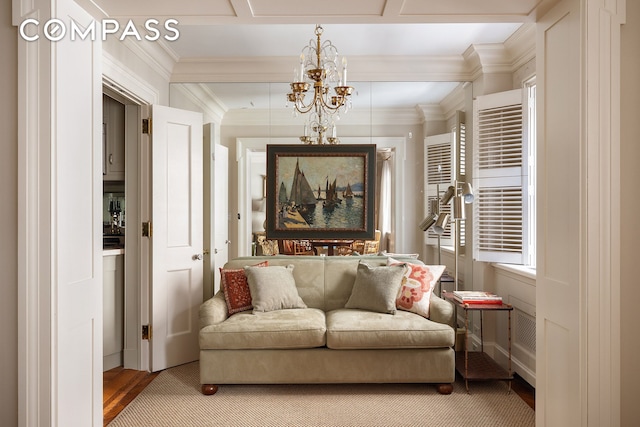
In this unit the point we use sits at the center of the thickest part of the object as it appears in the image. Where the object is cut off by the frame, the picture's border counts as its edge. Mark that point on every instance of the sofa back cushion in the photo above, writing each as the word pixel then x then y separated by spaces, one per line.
pixel 308 273
pixel 323 282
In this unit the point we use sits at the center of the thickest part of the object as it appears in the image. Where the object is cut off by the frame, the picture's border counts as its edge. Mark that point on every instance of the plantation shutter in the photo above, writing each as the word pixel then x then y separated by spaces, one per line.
pixel 439 174
pixel 500 178
pixel 461 156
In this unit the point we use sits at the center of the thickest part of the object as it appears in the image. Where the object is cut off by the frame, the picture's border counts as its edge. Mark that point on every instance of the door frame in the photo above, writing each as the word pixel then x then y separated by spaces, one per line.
pixel 136 97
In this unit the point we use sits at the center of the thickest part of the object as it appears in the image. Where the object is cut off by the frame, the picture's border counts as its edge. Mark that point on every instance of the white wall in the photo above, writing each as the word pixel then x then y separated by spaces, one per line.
pixel 8 228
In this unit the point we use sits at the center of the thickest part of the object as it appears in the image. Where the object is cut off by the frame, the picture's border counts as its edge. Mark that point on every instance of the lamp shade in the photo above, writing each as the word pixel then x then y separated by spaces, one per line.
pixel 441 223
pixel 458 207
pixel 446 197
pixel 434 206
pixel 467 192
pixel 428 222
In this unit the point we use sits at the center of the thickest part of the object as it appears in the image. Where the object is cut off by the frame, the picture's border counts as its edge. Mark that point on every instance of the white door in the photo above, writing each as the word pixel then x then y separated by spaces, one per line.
pixel 176 236
pixel 220 218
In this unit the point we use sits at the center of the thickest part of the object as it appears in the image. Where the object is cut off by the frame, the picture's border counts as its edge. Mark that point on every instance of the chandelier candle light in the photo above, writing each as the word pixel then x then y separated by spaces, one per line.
pixel 319 65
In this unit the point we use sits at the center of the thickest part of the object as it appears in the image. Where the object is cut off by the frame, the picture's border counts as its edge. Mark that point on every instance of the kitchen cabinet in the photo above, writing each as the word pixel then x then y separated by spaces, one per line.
pixel 113 308
pixel 113 130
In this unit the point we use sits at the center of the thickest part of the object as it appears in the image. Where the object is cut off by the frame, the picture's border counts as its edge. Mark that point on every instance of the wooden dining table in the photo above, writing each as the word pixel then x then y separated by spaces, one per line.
pixel 330 244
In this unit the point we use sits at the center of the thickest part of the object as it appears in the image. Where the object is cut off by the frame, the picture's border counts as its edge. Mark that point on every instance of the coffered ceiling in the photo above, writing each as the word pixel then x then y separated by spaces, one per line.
pixel 384 40
pixel 194 12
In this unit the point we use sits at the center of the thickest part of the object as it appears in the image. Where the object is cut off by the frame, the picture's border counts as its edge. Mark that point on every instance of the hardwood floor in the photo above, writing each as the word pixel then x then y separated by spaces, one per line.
pixel 121 386
pixel 524 390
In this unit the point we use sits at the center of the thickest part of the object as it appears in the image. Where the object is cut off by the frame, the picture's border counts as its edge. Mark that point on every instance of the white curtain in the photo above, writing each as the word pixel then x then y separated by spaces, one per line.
pixel 384 213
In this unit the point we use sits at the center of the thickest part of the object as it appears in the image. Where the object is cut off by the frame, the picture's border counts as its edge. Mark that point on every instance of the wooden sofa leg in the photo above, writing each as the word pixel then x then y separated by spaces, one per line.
pixel 443 388
pixel 209 389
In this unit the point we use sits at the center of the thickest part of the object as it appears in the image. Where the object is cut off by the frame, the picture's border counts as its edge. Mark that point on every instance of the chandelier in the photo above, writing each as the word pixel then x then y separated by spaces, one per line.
pixel 319 67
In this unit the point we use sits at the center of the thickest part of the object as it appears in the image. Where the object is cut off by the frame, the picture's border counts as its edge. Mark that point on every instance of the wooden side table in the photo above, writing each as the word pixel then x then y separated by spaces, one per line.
pixel 478 365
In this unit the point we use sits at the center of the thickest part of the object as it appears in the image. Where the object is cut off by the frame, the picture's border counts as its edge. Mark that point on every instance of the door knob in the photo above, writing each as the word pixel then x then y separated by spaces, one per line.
pixel 197 257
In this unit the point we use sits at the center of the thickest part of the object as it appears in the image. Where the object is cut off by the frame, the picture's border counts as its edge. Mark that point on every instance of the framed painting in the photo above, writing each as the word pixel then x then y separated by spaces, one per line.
pixel 320 191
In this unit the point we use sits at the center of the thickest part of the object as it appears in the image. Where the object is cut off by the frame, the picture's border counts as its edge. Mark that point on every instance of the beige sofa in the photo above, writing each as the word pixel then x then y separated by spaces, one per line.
pixel 324 343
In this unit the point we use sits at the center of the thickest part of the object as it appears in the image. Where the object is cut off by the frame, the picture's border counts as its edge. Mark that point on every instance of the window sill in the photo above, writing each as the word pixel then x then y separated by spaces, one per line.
pixel 520 270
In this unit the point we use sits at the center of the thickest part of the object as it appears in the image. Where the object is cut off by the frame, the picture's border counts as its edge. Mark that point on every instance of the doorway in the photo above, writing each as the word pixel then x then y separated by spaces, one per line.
pixel 113 231
pixel 123 185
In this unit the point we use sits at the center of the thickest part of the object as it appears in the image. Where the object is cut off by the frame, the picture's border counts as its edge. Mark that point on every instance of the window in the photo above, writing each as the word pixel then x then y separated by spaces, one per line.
pixel 504 176
pixel 531 133
pixel 439 175
pixel 444 164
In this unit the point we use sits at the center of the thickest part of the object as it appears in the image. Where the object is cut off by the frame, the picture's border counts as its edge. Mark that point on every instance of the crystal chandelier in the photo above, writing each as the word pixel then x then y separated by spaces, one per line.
pixel 319 66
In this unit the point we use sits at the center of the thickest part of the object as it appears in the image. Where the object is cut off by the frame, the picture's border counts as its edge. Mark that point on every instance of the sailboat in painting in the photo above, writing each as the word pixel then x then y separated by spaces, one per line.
pixel 302 195
pixel 331 198
pixel 348 193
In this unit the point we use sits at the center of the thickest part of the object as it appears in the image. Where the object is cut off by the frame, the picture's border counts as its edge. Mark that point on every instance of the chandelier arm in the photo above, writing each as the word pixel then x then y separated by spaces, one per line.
pixel 331 107
pixel 304 109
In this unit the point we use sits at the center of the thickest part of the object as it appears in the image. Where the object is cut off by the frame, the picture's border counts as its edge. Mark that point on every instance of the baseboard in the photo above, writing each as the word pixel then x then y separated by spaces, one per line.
pixel 111 361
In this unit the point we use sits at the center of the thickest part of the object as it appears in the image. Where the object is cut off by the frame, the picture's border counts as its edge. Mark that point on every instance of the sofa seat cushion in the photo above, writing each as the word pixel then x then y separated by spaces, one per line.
pixel 291 328
pixel 361 329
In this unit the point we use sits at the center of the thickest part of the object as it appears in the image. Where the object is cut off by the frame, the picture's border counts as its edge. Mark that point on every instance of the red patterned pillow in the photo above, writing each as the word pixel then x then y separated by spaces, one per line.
pixel 236 289
pixel 417 286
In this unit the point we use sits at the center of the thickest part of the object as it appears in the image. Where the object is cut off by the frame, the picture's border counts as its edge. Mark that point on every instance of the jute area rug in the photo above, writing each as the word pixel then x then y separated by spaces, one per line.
pixel 173 399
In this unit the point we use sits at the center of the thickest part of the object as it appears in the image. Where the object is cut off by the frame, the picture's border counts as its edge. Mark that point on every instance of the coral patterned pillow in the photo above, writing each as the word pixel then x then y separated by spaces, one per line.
pixel 236 289
pixel 417 286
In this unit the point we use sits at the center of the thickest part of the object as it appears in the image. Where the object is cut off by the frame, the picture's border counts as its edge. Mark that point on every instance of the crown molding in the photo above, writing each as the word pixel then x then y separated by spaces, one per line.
pixel 154 55
pixel 430 112
pixel 396 116
pixel 454 101
pixel 360 117
pixel 409 68
pixel 279 69
pixel 202 96
pixel 487 58
pixel 120 77
pixel 233 70
pixel 506 57
pixel 521 46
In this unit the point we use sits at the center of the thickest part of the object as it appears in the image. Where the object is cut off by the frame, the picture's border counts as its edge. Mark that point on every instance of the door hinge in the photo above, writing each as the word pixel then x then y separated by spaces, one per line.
pixel 146 332
pixel 147 229
pixel 146 126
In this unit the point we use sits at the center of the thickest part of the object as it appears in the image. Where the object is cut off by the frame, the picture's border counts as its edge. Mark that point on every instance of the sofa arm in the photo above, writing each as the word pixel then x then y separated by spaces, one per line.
pixel 442 311
pixel 214 310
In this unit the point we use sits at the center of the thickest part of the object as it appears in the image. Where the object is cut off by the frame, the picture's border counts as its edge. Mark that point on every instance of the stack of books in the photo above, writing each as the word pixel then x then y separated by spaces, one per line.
pixel 476 297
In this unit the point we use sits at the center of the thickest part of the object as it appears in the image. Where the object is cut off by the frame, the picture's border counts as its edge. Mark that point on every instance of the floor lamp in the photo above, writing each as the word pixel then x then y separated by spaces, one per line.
pixel 461 193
